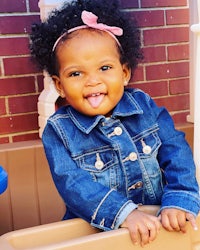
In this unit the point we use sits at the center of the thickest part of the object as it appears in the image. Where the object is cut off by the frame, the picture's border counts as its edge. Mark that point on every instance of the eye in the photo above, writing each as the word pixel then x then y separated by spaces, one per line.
pixel 75 74
pixel 105 67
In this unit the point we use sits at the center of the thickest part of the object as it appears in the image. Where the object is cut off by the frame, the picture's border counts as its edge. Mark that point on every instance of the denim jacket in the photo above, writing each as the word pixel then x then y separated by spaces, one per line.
pixel 104 167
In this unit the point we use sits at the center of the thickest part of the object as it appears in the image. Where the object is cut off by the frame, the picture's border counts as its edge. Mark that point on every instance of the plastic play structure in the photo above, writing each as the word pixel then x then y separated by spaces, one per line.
pixel 76 234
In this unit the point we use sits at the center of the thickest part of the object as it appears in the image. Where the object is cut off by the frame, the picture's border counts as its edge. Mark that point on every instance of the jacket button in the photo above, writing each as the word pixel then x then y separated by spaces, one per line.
pixel 118 131
pixel 139 184
pixel 132 156
pixel 146 149
pixel 99 165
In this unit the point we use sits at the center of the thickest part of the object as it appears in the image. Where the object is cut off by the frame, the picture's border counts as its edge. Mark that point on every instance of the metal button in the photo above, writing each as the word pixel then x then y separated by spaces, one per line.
pixel 137 185
pixel 132 156
pixel 99 165
pixel 146 149
pixel 118 131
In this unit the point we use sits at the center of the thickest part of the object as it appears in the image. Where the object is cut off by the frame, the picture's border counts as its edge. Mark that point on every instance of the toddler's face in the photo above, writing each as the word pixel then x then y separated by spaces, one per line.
pixel 91 77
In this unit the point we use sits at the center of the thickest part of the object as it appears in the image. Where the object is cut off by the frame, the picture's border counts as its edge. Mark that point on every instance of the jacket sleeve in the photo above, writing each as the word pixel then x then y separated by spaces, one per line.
pixel 104 208
pixel 176 161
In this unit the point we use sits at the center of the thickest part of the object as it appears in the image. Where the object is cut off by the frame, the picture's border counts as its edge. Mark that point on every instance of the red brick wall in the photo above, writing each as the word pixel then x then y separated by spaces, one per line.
pixel 164 74
pixel 20 83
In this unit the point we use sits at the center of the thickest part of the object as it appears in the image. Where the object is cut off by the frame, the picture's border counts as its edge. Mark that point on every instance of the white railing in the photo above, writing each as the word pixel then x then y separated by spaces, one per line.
pixel 47 5
pixel 48 97
pixel 196 29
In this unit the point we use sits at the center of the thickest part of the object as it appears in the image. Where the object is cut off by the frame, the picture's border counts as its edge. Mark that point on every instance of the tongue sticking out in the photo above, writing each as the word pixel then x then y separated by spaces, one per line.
pixel 95 100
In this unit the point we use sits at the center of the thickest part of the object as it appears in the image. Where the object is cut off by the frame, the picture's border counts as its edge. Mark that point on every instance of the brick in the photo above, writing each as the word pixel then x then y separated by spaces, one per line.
pixel 33 4
pixel 26 137
pixel 129 4
pixel 154 89
pixel 12 6
pixel 18 123
pixel 14 46
pixel 154 54
pixel 180 118
pixel 178 52
pixel 19 66
pixel 4 140
pixel 40 82
pixel 17 24
pixel 166 35
pixel 17 85
pixel 167 71
pixel 174 103
pixel 179 86
pixel 138 74
pixel 177 16
pixel 149 18
pixel 22 104
pixel 162 3
pixel 2 106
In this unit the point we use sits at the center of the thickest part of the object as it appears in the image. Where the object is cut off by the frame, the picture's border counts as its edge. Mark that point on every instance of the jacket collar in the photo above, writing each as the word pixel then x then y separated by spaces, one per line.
pixel 127 106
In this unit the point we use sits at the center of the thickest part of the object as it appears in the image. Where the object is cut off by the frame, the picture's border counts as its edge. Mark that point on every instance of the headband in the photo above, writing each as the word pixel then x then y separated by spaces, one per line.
pixel 90 20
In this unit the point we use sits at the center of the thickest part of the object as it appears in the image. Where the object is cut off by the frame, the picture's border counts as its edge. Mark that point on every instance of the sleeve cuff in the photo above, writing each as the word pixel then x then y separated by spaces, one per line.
pixel 124 212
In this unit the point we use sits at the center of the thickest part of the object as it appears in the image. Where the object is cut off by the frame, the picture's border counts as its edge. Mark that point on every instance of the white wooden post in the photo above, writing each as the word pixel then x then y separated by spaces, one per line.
pixel 48 97
pixel 193 39
pixel 196 29
pixel 47 6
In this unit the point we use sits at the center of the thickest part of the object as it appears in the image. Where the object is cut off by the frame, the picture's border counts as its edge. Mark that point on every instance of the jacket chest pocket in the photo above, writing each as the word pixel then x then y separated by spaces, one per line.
pixel 147 144
pixel 102 166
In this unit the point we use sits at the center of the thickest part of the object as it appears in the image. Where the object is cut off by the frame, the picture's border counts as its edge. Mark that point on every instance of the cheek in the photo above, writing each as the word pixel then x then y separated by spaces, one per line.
pixel 70 87
pixel 73 93
pixel 117 87
pixel 116 93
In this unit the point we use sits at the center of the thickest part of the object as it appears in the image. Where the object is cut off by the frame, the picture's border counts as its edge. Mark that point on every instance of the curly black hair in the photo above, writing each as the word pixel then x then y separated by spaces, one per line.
pixel 44 35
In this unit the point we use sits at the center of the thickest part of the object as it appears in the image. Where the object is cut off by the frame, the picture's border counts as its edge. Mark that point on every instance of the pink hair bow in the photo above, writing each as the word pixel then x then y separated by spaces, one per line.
pixel 90 20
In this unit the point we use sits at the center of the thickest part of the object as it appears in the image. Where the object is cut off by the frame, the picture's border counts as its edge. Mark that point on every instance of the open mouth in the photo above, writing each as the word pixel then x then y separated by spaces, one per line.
pixel 95 99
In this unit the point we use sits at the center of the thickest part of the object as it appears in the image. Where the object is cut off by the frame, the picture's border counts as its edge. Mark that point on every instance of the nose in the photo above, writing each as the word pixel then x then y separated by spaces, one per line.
pixel 92 80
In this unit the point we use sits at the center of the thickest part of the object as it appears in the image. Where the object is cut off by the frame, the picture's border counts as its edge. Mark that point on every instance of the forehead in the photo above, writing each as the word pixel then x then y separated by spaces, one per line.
pixel 88 37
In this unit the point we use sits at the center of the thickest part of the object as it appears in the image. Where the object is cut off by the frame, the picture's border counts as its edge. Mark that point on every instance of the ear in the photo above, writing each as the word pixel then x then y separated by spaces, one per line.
pixel 127 74
pixel 58 86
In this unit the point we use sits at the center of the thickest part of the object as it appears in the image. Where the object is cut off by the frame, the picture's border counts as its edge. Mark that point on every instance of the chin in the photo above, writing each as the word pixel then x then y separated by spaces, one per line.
pixel 94 113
